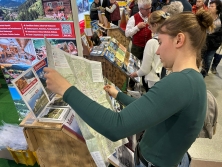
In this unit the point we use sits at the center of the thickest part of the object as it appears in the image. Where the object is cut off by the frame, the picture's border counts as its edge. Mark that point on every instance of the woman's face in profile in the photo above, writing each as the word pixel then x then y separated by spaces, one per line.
pixel 166 50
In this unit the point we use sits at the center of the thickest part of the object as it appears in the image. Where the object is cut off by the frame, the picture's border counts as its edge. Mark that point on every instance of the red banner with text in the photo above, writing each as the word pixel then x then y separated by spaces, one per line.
pixel 37 29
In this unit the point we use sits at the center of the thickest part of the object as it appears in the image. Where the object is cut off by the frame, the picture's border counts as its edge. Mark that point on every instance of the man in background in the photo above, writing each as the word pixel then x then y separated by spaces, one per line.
pixel 199 5
pixel 137 28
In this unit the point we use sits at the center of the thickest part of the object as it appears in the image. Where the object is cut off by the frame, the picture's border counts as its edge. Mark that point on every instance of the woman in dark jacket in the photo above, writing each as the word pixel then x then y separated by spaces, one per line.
pixel 213 39
pixel 94 10
pixel 134 7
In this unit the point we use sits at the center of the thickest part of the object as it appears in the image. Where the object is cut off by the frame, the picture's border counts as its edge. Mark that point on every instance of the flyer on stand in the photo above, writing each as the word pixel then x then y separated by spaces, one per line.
pixel 32 91
pixel 31 86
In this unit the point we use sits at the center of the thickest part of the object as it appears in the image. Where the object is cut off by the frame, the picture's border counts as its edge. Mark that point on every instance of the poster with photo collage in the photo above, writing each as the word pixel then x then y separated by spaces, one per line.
pixel 23 26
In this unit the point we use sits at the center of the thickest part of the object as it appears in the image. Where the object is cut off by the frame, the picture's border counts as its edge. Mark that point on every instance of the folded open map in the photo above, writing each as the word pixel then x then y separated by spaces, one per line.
pixel 87 77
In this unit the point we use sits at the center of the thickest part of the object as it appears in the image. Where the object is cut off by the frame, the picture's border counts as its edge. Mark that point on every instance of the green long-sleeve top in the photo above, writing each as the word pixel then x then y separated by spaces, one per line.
pixel 172 114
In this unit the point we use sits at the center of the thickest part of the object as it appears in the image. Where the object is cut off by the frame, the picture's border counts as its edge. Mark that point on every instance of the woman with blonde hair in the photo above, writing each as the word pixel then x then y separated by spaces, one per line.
pixel 172 112
pixel 151 66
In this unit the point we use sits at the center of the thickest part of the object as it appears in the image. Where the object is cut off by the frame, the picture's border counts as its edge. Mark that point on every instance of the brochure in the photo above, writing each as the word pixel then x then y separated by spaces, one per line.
pixel 56 115
pixel 31 86
pixel 72 126
pixel 109 56
pixel 131 65
pixel 122 157
pixel 105 41
pixel 58 102
pixel 116 105
pixel 120 56
pixel 97 51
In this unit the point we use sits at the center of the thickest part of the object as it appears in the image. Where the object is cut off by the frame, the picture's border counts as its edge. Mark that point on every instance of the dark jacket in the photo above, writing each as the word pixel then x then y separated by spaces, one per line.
pixel 94 11
pixel 134 8
pixel 214 40
pixel 105 4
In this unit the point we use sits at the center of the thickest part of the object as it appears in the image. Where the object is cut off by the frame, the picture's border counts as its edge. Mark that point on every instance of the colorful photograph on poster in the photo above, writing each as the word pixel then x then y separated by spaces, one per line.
pixel 30 10
pixel 17 51
pixel 57 10
pixel 11 72
pixel 83 8
pixel 68 46
pixel 20 105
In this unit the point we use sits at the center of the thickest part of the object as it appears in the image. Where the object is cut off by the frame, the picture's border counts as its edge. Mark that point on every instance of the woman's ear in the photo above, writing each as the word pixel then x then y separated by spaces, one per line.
pixel 179 40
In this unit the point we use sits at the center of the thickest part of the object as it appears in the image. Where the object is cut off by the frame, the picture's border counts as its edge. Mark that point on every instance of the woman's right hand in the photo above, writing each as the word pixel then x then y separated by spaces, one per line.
pixel 111 90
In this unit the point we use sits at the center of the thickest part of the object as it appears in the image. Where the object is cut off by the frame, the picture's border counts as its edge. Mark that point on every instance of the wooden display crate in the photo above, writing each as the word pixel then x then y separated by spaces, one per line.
pixel 119 35
pixel 55 146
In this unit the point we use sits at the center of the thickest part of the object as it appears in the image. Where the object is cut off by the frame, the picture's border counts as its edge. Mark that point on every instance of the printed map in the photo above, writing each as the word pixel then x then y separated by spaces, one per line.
pixel 78 71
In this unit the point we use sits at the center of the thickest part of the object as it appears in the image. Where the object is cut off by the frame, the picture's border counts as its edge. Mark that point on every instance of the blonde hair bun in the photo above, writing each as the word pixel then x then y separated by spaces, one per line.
pixel 205 20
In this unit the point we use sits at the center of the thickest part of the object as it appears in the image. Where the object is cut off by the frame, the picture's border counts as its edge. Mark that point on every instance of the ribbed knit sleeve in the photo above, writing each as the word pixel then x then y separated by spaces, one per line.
pixel 167 97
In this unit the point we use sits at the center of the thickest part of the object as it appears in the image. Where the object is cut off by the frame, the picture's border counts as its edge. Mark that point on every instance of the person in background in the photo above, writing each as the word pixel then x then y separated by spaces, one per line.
pixel 63 18
pixel 207 2
pixel 151 66
pixel 199 5
pixel 186 5
pixel 134 7
pixel 157 5
pixel 173 8
pixel 54 15
pixel 59 15
pixel 104 4
pixel 217 56
pixel 172 112
pixel 192 2
pixel 114 12
pixel 217 59
pixel 94 10
pixel 137 28
pixel 213 41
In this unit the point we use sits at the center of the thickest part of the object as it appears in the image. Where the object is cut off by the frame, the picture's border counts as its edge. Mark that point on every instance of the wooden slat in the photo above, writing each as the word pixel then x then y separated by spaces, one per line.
pixel 30 138
pixel 56 149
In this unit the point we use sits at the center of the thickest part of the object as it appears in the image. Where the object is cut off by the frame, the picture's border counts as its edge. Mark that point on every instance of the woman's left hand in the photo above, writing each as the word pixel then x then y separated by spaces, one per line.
pixel 55 82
